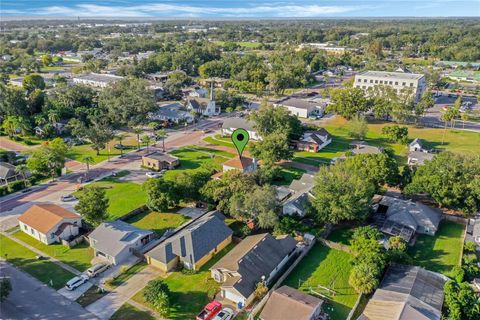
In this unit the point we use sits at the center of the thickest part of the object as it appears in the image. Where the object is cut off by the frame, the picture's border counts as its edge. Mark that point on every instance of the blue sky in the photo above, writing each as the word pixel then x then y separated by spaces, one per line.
pixel 235 8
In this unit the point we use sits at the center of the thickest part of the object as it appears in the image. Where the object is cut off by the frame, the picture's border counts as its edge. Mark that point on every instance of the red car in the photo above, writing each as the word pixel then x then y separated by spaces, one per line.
pixel 210 310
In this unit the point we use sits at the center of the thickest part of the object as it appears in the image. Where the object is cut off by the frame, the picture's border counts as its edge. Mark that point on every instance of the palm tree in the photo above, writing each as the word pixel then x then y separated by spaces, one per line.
pixel 146 140
pixel 162 134
pixel 23 125
pixel 22 169
pixel 10 124
pixel 464 117
pixel 138 131
pixel 88 160
pixel 53 116
pixel 119 137
pixel 446 117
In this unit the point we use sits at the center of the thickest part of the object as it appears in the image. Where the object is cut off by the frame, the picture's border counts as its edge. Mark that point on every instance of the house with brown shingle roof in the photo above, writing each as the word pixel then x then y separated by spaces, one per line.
pixel 244 164
pixel 50 223
pixel 286 303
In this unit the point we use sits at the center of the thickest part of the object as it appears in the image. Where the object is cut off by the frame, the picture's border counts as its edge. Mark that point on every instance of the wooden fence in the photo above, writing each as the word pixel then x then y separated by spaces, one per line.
pixel 335 245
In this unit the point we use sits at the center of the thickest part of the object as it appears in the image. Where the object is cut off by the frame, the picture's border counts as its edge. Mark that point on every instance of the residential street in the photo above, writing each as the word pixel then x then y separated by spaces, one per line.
pixel 31 299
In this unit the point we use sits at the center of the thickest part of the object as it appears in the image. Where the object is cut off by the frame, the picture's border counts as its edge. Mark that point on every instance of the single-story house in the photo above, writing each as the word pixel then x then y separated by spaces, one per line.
pixel 171 112
pixel 416 145
pixel 8 173
pixel 473 232
pixel 361 147
pixel 286 303
pixel 244 164
pixel 50 223
pixel 231 124
pixel 159 160
pixel 301 108
pixel 300 191
pixel 257 258
pixel 418 158
pixel 115 241
pixel 404 218
pixel 314 141
pixel 192 246
pixel 406 293
pixel 203 106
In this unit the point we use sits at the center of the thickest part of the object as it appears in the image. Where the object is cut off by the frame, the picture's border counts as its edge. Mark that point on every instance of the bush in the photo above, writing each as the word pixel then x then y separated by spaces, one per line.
pixel 28 142
pixel 15 186
pixel 3 191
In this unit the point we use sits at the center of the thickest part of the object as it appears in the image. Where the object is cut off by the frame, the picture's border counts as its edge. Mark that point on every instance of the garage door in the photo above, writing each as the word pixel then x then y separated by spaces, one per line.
pixel 233 297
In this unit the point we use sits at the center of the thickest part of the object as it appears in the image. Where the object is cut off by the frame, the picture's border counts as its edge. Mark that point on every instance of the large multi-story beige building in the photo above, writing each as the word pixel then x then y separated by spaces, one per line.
pixel 396 80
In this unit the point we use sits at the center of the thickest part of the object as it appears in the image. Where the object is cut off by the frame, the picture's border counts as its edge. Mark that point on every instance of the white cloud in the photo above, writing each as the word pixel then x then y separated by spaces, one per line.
pixel 178 10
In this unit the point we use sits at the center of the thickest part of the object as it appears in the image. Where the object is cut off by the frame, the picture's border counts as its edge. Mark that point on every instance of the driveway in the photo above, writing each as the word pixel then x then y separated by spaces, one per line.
pixel 75 294
pixel 105 307
pixel 31 299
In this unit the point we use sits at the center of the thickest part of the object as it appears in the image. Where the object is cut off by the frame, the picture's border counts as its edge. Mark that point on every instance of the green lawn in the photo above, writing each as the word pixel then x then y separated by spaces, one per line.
pixel 78 257
pixel 288 175
pixel 223 141
pixel 441 252
pixel 124 196
pixel 130 272
pixel 193 157
pixel 329 268
pixel 158 221
pixel 129 312
pixel 455 141
pixel 44 270
pixel 190 292
pixel 78 153
pixel 342 236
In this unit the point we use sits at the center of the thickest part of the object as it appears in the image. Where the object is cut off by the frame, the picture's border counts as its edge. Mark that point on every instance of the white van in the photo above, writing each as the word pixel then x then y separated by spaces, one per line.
pixel 97 269
pixel 76 282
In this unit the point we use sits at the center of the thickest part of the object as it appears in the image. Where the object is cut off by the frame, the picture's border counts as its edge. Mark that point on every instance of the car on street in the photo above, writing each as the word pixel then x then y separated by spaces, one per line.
pixel 120 146
pixel 224 314
pixel 210 310
pixel 153 175
pixel 76 282
pixel 68 198
pixel 96 269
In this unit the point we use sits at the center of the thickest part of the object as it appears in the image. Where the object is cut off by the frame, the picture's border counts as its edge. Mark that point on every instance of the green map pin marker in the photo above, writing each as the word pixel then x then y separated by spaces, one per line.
pixel 240 139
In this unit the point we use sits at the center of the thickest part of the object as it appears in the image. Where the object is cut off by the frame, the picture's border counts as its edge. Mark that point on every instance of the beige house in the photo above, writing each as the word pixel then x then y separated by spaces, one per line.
pixel 50 223
pixel 158 161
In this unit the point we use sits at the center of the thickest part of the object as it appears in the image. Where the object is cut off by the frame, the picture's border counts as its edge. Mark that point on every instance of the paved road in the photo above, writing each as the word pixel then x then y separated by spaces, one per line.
pixel 31 299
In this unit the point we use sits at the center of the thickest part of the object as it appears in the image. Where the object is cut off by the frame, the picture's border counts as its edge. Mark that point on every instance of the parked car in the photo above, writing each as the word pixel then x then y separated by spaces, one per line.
pixel 152 175
pixel 210 310
pixel 76 282
pixel 97 269
pixel 67 198
pixel 120 146
pixel 224 314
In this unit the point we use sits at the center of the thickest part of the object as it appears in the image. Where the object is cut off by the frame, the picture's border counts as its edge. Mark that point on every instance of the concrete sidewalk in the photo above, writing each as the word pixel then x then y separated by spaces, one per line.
pixel 106 306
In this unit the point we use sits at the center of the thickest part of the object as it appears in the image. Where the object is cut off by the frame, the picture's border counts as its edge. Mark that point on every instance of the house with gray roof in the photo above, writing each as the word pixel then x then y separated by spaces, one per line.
pixel 300 191
pixel 192 246
pixel 407 293
pixel 231 124
pixel 302 108
pixel 418 158
pixel 257 258
pixel 473 232
pixel 172 112
pixel 115 241
pixel 8 173
pixel 416 145
pixel 398 217
pixel 314 141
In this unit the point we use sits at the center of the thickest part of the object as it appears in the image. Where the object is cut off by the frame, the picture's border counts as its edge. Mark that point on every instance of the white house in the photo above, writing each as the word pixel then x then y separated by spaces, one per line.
pixel 302 108
pixel 171 112
pixel 299 193
pixel 116 241
pixel 314 141
pixel 232 124
pixel 50 223
pixel 203 106
pixel 98 80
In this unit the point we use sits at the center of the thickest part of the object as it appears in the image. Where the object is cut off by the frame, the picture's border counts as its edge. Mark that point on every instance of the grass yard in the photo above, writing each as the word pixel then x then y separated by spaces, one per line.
pixel 124 196
pixel 455 141
pixel 193 157
pixel 158 221
pixel 128 312
pixel 190 292
pixel 78 153
pixel 130 272
pixel 288 175
pixel 329 268
pixel 224 141
pixel 441 252
pixel 24 259
pixel 342 236
pixel 91 295
pixel 78 257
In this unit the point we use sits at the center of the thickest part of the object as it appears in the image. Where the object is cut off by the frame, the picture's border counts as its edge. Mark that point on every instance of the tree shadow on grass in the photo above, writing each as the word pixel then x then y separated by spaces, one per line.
pixel 186 305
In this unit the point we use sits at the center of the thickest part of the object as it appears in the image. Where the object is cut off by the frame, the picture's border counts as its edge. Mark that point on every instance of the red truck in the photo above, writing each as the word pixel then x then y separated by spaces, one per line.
pixel 210 310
